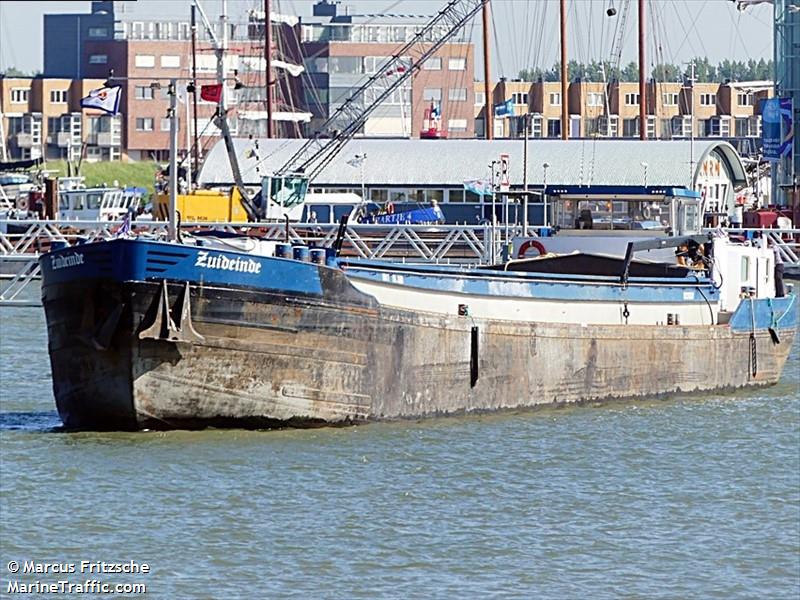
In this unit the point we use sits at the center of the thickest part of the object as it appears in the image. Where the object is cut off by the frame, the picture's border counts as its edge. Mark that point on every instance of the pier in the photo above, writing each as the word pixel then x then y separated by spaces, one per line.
pixel 465 244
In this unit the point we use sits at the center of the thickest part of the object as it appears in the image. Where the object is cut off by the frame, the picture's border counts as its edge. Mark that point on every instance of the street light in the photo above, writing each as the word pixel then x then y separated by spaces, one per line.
pixel 545 166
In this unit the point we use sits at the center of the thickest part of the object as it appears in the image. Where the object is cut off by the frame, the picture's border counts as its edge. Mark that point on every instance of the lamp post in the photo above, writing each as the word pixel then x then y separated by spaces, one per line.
pixel 545 166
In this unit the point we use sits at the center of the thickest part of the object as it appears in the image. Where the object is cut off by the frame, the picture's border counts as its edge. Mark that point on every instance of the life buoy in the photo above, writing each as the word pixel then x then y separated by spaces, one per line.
pixel 23 203
pixel 526 245
pixel 390 208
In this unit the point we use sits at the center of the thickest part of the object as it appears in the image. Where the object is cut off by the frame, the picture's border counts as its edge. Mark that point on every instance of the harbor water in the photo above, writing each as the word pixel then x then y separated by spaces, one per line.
pixel 685 497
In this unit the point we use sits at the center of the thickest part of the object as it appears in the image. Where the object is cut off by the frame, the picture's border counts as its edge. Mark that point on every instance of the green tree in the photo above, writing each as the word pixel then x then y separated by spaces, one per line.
pixel 15 72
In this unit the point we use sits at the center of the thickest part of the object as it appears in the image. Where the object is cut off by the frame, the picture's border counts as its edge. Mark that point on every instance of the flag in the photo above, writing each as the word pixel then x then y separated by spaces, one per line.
pixel 506 109
pixel 293 70
pixel 211 93
pixel 104 98
pixel 125 228
pixel 436 111
pixel 481 187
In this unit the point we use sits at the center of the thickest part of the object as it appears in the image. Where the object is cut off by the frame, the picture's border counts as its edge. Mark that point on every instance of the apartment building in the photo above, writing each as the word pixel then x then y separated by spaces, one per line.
pixel 340 49
pixel 42 118
pixel 595 109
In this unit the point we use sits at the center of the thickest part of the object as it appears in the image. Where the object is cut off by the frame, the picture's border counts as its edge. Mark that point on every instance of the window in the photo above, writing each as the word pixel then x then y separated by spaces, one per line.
pixel 553 127
pixel 98 32
pixel 98 59
pixel 164 124
pixel 708 99
pixel 594 99
pixel 144 124
pixel 432 94
pixel 670 99
pixel 457 125
pixel 145 61
pixel 520 98
pixel 744 99
pixel 480 98
pixel 144 92
pixel 630 127
pixel 171 61
pixel 631 99
pixel 346 64
pixel 555 99
pixel 457 94
pixel 19 95
pixel 58 96
pixel 457 64
pixel 434 63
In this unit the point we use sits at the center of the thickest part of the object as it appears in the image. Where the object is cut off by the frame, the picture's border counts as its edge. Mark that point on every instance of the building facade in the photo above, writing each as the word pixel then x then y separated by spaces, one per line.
pixel 42 118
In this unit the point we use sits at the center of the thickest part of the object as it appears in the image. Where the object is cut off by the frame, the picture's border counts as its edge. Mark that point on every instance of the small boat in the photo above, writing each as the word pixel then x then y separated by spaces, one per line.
pixel 150 334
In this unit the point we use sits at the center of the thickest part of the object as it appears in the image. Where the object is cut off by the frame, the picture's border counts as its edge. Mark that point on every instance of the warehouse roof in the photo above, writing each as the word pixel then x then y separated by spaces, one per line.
pixel 447 163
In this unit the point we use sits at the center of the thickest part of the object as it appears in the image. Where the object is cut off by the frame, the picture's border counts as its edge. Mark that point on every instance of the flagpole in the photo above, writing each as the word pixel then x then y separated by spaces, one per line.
pixel 172 230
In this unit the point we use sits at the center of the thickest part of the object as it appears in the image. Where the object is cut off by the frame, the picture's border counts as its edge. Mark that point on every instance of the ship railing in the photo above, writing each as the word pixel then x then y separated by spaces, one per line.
pixel 19 252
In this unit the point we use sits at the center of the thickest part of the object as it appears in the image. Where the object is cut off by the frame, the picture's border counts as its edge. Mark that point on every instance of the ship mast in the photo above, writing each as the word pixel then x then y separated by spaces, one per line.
pixel 195 146
pixel 487 76
pixel 564 103
pixel 642 94
pixel 268 58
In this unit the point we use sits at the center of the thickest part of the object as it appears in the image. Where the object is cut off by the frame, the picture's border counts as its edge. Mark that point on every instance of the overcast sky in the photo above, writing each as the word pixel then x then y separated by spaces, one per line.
pixel 525 32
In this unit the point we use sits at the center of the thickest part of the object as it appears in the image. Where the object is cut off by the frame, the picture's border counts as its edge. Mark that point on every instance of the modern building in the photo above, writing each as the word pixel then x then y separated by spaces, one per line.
pixel 340 49
pixel 674 110
pixel 41 117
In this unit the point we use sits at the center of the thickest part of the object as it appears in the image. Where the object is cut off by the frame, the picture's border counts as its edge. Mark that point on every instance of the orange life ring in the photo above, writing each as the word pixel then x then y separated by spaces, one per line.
pixel 525 246
pixel 390 208
pixel 23 203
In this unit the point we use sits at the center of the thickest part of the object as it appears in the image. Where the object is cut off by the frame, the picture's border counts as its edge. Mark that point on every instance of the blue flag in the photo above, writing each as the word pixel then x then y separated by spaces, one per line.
pixel 776 130
pixel 104 98
pixel 506 109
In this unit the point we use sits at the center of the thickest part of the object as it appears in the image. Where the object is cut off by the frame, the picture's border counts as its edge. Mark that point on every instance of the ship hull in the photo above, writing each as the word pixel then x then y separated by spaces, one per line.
pixel 265 358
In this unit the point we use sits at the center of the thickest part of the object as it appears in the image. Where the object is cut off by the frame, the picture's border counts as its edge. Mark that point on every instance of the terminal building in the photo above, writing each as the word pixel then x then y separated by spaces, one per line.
pixel 421 171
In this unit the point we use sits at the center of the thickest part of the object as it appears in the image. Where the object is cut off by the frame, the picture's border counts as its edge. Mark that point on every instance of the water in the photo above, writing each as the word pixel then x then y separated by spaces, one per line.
pixel 690 497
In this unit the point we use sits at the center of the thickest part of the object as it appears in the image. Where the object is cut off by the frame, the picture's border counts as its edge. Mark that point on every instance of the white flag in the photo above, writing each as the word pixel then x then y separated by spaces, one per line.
pixel 293 70
pixel 104 98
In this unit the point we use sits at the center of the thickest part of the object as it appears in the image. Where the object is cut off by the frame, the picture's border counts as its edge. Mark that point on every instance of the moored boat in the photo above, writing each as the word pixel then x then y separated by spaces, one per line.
pixel 147 334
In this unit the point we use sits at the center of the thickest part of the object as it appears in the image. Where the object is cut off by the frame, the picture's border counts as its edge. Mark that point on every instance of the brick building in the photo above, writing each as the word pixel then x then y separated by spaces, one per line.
pixel 42 118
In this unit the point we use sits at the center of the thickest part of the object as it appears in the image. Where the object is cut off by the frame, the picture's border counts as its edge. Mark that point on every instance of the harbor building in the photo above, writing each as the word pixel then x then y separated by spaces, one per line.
pixel 41 117
pixel 420 171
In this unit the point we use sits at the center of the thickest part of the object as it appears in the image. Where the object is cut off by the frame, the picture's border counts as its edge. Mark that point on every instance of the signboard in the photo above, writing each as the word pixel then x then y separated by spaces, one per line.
pixel 777 130
pixel 505 182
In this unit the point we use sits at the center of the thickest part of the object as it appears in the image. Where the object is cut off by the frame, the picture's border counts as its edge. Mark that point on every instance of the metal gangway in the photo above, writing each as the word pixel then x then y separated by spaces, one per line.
pixel 19 252
pixel 444 244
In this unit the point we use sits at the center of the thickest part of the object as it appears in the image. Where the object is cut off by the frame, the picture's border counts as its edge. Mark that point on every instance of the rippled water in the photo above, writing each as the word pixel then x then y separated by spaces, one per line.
pixel 690 497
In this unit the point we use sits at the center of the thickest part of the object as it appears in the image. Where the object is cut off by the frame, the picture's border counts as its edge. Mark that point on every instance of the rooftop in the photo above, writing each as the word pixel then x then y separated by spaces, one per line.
pixel 448 163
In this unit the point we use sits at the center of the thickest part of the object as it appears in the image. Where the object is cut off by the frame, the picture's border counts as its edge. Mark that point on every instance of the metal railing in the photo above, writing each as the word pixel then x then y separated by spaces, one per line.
pixel 20 249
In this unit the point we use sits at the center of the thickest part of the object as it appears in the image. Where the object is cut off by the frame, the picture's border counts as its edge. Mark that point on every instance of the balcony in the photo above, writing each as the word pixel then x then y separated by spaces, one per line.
pixel 26 140
pixel 107 139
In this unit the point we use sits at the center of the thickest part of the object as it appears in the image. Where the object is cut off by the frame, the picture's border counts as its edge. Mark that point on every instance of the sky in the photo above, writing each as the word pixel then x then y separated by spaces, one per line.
pixel 524 32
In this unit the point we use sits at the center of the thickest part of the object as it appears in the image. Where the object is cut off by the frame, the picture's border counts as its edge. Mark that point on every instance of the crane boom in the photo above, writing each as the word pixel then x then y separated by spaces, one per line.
pixel 317 152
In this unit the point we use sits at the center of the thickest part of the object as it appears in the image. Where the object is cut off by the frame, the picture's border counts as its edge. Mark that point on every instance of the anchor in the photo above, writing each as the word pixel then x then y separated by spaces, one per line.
pixel 164 327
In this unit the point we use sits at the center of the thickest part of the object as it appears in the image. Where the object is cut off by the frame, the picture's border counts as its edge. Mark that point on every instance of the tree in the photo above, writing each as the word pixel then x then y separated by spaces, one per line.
pixel 15 72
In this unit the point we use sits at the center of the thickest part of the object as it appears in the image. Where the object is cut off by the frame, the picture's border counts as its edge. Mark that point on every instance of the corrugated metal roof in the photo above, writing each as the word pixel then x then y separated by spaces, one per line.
pixel 447 163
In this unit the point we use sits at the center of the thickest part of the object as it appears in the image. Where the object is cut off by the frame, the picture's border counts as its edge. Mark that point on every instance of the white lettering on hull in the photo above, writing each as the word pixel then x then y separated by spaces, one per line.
pixel 65 261
pixel 206 260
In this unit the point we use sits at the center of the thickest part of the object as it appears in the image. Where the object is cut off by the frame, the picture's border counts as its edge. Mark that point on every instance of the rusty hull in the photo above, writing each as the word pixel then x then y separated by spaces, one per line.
pixel 271 360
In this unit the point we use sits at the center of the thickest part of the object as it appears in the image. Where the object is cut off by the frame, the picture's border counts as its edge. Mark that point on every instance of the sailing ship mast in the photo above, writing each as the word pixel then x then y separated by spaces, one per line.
pixel 487 76
pixel 268 71
pixel 642 88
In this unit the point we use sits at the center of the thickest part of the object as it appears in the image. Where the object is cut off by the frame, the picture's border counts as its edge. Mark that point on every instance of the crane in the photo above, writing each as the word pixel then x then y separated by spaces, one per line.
pixel 287 185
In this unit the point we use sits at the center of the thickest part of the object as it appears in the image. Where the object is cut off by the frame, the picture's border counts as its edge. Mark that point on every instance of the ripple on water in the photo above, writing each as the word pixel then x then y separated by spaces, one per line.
pixel 690 496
